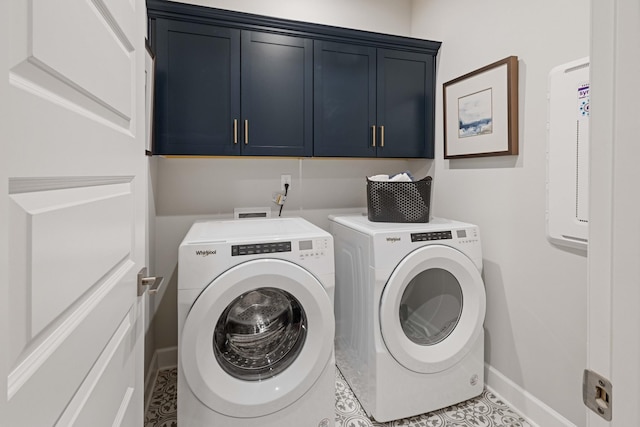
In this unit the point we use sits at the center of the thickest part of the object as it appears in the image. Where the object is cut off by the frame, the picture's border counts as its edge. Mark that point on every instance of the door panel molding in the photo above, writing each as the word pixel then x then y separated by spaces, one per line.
pixel 51 61
pixel 77 340
pixel 38 353
pixel 54 40
pixel 93 395
pixel 29 184
pixel 37 79
pixel 117 15
pixel 60 237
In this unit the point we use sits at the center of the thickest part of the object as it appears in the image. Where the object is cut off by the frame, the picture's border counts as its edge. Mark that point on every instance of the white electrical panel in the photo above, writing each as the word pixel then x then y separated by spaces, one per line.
pixel 568 155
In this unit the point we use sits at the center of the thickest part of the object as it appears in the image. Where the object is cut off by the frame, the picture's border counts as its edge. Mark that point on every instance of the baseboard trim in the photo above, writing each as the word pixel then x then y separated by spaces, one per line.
pixel 150 380
pixel 536 412
pixel 167 357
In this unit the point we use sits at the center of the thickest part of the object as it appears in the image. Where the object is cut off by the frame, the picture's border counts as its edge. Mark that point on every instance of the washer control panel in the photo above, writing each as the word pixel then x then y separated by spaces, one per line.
pixel 433 235
pixel 313 248
pixel 260 248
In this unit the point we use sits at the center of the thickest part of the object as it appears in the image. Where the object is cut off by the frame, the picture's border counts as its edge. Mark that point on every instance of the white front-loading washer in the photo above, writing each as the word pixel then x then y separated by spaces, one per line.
pixel 256 324
pixel 410 305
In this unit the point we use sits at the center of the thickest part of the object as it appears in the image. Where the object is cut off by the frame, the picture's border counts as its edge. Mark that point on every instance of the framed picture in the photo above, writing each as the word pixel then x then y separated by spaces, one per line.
pixel 149 88
pixel 481 111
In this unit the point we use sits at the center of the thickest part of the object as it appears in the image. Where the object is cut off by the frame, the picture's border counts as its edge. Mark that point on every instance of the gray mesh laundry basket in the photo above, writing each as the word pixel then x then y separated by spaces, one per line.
pixel 399 201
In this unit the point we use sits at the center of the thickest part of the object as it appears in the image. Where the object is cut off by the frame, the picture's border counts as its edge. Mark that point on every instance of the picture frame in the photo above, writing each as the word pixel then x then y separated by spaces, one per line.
pixel 481 111
pixel 149 90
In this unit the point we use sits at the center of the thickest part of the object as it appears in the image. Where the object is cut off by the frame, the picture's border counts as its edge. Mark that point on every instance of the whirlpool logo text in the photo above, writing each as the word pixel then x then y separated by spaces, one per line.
pixel 393 239
pixel 205 253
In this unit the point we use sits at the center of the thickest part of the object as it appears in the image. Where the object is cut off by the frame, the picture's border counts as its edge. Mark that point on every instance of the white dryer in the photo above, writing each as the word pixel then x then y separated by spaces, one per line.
pixel 410 305
pixel 256 324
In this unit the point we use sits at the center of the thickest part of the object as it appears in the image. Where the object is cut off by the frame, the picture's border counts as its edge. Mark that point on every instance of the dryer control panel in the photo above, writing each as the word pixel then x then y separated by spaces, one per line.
pixel 461 235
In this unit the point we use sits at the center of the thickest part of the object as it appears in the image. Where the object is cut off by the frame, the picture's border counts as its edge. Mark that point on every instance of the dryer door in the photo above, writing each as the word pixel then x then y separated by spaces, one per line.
pixel 432 309
pixel 257 338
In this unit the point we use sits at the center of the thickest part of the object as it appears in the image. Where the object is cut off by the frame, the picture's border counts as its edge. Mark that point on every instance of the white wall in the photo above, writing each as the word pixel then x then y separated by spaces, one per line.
pixel 536 292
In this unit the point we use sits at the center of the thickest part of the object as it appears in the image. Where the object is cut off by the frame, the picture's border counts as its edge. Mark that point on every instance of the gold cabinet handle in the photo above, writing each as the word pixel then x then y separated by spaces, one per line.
pixel 235 131
pixel 246 132
pixel 381 136
pixel 373 135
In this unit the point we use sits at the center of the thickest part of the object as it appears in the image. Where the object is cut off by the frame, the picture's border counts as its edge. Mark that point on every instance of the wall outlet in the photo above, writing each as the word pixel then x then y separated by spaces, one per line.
pixel 285 179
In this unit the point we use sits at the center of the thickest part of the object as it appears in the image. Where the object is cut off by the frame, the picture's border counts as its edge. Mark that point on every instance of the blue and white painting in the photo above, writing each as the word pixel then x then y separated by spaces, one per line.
pixel 475 114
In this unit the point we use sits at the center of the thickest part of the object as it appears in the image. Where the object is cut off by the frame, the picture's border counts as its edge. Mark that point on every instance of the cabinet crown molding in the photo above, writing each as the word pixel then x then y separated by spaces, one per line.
pixel 248 21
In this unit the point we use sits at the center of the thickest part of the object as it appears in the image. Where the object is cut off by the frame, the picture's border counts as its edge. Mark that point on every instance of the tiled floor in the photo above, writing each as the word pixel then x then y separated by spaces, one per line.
pixel 162 407
pixel 486 410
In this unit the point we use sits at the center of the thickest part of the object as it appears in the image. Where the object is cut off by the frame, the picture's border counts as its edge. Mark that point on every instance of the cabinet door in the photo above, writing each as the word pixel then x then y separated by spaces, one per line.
pixel 277 95
pixel 405 104
pixel 344 100
pixel 197 88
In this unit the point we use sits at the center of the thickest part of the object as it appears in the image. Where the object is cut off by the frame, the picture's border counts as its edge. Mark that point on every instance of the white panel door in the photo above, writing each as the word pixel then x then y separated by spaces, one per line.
pixel 74 188
pixel 614 240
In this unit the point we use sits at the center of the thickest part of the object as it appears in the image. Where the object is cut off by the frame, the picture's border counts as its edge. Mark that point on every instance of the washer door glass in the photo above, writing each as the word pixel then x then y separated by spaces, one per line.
pixel 260 334
pixel 431 306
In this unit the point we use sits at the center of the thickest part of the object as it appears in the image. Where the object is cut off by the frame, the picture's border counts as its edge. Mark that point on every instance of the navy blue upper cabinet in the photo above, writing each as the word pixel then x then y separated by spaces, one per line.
pixel 222 91
pixel 277 93
pixel 230 83
pixel 372 102
pixel 405 113
pixel 197 88
pixel 344 100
